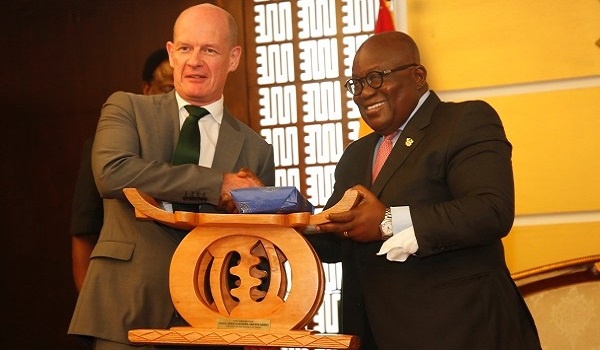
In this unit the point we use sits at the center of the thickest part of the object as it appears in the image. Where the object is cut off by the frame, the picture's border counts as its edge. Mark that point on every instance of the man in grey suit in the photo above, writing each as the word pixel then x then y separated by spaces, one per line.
pixel 87 212
pixel 127 285
pixel 422 256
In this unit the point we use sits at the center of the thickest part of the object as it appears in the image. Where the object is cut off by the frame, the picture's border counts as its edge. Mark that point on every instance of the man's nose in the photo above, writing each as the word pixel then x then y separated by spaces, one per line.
pixel 196 59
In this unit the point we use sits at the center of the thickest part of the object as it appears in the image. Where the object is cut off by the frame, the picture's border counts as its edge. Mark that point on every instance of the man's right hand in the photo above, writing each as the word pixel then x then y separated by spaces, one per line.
pixel 242 179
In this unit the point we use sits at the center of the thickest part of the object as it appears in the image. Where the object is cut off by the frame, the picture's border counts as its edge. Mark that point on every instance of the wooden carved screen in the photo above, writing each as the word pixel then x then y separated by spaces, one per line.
pixel 299 56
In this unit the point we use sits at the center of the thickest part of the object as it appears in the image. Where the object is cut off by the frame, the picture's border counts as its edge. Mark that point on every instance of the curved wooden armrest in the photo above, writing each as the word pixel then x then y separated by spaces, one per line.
pixel 350 199
pixel 147 208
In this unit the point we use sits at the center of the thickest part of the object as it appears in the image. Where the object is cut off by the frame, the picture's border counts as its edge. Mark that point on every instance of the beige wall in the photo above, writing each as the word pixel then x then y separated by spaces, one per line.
pixel 538 64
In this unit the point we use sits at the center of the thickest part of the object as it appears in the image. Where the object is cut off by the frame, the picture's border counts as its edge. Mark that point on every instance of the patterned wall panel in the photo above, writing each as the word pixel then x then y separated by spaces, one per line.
pixel 304 51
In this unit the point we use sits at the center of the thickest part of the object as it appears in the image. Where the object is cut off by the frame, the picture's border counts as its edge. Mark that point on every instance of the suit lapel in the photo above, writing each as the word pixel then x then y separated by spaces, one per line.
pixel 408 140
pixel 367 153
pixel 229 145
pixel 163 115
pixel 172 110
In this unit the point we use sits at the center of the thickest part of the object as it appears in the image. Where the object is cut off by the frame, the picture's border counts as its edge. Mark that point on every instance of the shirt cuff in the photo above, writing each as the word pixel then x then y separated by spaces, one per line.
pixel 404 241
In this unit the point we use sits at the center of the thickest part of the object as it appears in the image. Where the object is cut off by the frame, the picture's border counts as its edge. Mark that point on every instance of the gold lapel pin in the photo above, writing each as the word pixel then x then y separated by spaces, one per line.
pixel 409 142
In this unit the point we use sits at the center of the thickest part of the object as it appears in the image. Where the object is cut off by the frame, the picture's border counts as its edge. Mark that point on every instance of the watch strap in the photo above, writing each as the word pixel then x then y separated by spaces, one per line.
pixel 385 227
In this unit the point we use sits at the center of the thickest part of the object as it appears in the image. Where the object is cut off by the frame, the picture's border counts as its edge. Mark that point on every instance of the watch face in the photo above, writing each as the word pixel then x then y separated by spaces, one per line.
pixel 386 229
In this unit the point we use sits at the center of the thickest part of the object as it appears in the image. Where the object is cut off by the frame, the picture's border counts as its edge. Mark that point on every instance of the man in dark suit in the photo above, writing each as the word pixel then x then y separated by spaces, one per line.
pixel 127 284
pixel 422 256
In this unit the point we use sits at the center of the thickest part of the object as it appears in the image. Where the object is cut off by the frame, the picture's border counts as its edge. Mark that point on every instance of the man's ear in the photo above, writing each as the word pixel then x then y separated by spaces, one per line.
pixel 234 57
pixel 420 76
pixel 170 47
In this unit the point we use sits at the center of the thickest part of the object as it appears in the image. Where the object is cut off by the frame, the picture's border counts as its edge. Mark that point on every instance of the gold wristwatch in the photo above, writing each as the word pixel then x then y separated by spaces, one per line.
pixel 386 225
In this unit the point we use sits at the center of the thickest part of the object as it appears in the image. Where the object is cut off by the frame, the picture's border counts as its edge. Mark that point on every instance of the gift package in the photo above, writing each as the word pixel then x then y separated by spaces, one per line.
pixel 271 200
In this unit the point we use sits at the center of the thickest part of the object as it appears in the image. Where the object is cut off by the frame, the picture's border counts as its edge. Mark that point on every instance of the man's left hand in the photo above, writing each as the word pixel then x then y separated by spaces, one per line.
pixel 360 223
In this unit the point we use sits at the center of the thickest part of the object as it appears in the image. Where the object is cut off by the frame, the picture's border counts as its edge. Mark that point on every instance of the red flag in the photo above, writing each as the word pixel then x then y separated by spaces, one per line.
pixel 385 22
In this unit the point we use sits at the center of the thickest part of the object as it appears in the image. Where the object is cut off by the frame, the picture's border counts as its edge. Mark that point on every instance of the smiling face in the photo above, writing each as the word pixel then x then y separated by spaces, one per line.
pixel 385 109
pixel 202 53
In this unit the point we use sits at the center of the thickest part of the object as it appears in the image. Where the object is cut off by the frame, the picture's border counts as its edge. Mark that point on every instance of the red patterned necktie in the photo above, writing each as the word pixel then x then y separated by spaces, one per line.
pixel 382 153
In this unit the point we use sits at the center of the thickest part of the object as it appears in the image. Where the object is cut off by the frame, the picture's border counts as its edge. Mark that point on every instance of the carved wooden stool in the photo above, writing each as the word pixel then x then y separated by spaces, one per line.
pixel 229 279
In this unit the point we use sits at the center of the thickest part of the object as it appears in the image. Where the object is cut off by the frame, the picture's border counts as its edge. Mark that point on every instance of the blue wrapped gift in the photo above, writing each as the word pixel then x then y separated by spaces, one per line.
pixel 270 200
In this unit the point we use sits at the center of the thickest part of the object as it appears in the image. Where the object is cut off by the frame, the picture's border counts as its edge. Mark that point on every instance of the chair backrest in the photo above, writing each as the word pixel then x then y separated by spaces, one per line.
pixel 564 299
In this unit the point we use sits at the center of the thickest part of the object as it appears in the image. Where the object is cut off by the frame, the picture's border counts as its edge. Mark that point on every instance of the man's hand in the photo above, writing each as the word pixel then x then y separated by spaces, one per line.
pixel 231 181
pixel 360 223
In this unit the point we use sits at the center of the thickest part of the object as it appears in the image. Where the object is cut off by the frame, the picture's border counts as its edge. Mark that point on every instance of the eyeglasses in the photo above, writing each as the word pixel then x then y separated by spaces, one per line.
pixel 374 79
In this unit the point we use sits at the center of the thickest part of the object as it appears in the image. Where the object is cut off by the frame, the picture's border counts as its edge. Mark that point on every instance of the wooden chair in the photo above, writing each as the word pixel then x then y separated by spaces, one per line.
pixel 564 299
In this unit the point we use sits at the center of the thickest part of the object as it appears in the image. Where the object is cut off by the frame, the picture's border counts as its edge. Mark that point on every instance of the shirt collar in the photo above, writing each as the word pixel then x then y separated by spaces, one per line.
pixel 215 109
pixel 419 104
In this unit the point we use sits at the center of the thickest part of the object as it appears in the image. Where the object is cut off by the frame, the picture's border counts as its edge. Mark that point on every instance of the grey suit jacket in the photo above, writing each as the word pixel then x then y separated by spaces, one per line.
pixel 452 166
pixel 126 286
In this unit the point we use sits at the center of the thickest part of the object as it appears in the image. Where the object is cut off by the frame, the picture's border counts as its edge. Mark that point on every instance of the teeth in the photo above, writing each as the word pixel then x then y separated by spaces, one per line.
pixel 375 106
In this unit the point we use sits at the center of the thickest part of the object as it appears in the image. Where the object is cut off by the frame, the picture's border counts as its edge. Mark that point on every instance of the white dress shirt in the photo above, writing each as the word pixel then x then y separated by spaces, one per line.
pixel 209 132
